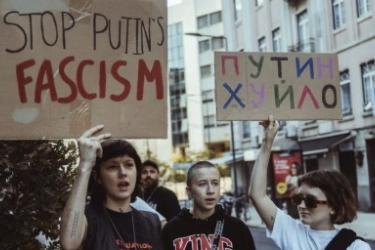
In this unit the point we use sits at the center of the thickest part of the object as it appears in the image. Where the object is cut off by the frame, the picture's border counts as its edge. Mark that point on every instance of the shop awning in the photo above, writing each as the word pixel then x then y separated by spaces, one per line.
pixel 285 144
pixel 322 145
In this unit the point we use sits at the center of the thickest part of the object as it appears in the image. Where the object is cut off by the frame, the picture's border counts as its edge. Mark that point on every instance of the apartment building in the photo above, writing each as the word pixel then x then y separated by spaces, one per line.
pixel 345 27
pixel 203 21
pixel 192 113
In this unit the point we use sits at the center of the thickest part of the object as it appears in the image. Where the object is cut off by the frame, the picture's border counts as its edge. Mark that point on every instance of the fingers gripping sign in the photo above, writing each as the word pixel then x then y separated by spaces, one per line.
pixel 270 129
pixel 89 145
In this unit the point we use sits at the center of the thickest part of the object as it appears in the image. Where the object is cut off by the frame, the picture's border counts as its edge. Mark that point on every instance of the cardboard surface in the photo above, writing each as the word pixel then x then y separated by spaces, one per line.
pixel 69 66
pixel 290 86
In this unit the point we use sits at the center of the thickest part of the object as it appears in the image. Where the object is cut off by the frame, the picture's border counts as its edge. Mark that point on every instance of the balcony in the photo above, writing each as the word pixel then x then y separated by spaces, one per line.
pixel 293 3
pixel 307 45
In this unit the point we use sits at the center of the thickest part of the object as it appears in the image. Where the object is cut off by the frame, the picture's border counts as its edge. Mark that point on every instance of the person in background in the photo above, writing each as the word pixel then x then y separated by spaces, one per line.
pixel 158 197
pixel 292 179
pixel 110 171
pixel 206 226
pixel 292 189
pixel 324 199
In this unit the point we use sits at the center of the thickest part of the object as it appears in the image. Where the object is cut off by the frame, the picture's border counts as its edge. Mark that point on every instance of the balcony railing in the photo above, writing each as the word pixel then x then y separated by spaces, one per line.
pixel 307 45
pixel 293 3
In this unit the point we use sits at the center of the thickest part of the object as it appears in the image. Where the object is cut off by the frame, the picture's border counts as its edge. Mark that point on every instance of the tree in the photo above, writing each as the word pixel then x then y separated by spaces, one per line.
pixel 35 178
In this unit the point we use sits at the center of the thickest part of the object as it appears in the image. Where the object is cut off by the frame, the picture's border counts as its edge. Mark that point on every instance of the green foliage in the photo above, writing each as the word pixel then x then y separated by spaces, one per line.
pixel 35 177
pixel 179 176
pixel 224 171
pixel 193 157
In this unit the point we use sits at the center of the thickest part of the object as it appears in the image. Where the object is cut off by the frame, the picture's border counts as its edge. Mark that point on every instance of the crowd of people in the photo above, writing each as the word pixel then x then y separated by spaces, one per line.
pixel 117 203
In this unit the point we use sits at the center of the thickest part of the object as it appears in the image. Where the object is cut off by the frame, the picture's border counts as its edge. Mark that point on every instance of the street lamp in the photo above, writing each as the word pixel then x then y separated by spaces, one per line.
pixel 196 34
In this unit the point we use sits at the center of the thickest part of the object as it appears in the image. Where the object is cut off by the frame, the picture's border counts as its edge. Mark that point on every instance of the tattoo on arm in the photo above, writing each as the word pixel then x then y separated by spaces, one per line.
pixel 73 234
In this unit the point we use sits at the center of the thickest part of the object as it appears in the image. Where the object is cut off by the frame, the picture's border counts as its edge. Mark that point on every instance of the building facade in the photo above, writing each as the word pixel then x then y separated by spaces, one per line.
pixel 192 113
pixel 345 27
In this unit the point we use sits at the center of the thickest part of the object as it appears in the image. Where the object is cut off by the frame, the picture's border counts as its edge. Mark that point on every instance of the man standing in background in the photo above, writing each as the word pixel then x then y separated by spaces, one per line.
pixel 160 198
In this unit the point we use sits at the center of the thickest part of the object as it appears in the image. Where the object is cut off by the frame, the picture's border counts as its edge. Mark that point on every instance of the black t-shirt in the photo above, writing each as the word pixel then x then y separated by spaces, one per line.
pixel 186 233
pixel 105 226
pixel 164 201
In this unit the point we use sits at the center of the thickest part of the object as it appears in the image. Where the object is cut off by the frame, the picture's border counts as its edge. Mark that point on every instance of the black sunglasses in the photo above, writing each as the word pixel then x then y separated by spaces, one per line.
pixel 310 200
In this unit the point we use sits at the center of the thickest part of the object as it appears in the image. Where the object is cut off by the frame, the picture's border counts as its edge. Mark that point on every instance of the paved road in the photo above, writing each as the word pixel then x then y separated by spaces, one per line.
pixel 263 243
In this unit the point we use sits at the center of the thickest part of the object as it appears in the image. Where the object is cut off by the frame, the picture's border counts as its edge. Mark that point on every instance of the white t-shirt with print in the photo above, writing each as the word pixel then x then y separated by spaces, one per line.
pixel 291 234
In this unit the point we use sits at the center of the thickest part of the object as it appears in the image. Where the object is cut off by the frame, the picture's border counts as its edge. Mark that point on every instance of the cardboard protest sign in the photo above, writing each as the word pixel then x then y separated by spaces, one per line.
pixel 66 66
pixel 291 86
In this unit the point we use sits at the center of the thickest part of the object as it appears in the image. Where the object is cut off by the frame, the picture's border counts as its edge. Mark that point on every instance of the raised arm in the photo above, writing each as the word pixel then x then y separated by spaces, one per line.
pixel 258 182
pixel 74 223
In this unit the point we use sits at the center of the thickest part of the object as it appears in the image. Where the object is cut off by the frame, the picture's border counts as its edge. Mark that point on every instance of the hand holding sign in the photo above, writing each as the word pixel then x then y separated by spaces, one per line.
pixel 271 127
pixel 90 148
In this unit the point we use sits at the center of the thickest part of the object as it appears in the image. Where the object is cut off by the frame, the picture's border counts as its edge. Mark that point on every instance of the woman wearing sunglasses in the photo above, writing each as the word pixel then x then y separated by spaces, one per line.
pixel 324 199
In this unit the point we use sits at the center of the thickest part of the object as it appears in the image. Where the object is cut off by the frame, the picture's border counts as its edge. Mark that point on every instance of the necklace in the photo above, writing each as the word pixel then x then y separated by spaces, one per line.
pixel 116 230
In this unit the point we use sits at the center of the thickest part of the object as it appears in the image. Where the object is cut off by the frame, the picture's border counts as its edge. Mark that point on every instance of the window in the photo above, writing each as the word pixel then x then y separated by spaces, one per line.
pixel 246 129
pixel 276 40
pixel 205 71
pixel 217 43
pixel 368 82
pixel 209 121
pixel 184 125
pixel 207 96
pixel 204 46
pixel 202 21
pixel 363 7
pixel 175 46
pixel 209 19
pixel 303 31
pixel 215 17
pixel 338 13
pixel 346 102
pixel 258 2
pixel 237 9
pixel 262 44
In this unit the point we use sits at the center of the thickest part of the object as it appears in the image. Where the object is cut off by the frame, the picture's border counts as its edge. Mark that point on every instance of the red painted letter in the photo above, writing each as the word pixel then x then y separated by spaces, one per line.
pixel 68 81
pixel 155 75
pixel 81 89
pixel 22 80
pixel 120 79
pixel 45 71
pixel 307 91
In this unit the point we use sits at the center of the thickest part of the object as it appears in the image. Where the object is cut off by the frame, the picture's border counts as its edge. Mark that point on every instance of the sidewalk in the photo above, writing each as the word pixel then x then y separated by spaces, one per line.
pixel 364 225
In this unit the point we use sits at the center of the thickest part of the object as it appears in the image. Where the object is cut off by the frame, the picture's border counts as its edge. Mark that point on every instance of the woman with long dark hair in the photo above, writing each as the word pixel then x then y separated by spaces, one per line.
pixel 109 171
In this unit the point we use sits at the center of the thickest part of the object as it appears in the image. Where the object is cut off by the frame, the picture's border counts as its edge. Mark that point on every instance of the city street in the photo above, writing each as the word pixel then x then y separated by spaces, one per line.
pixel 262 242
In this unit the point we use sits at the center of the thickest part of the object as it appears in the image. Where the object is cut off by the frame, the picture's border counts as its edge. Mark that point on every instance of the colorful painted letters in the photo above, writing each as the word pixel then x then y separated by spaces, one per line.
pixel 250 86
